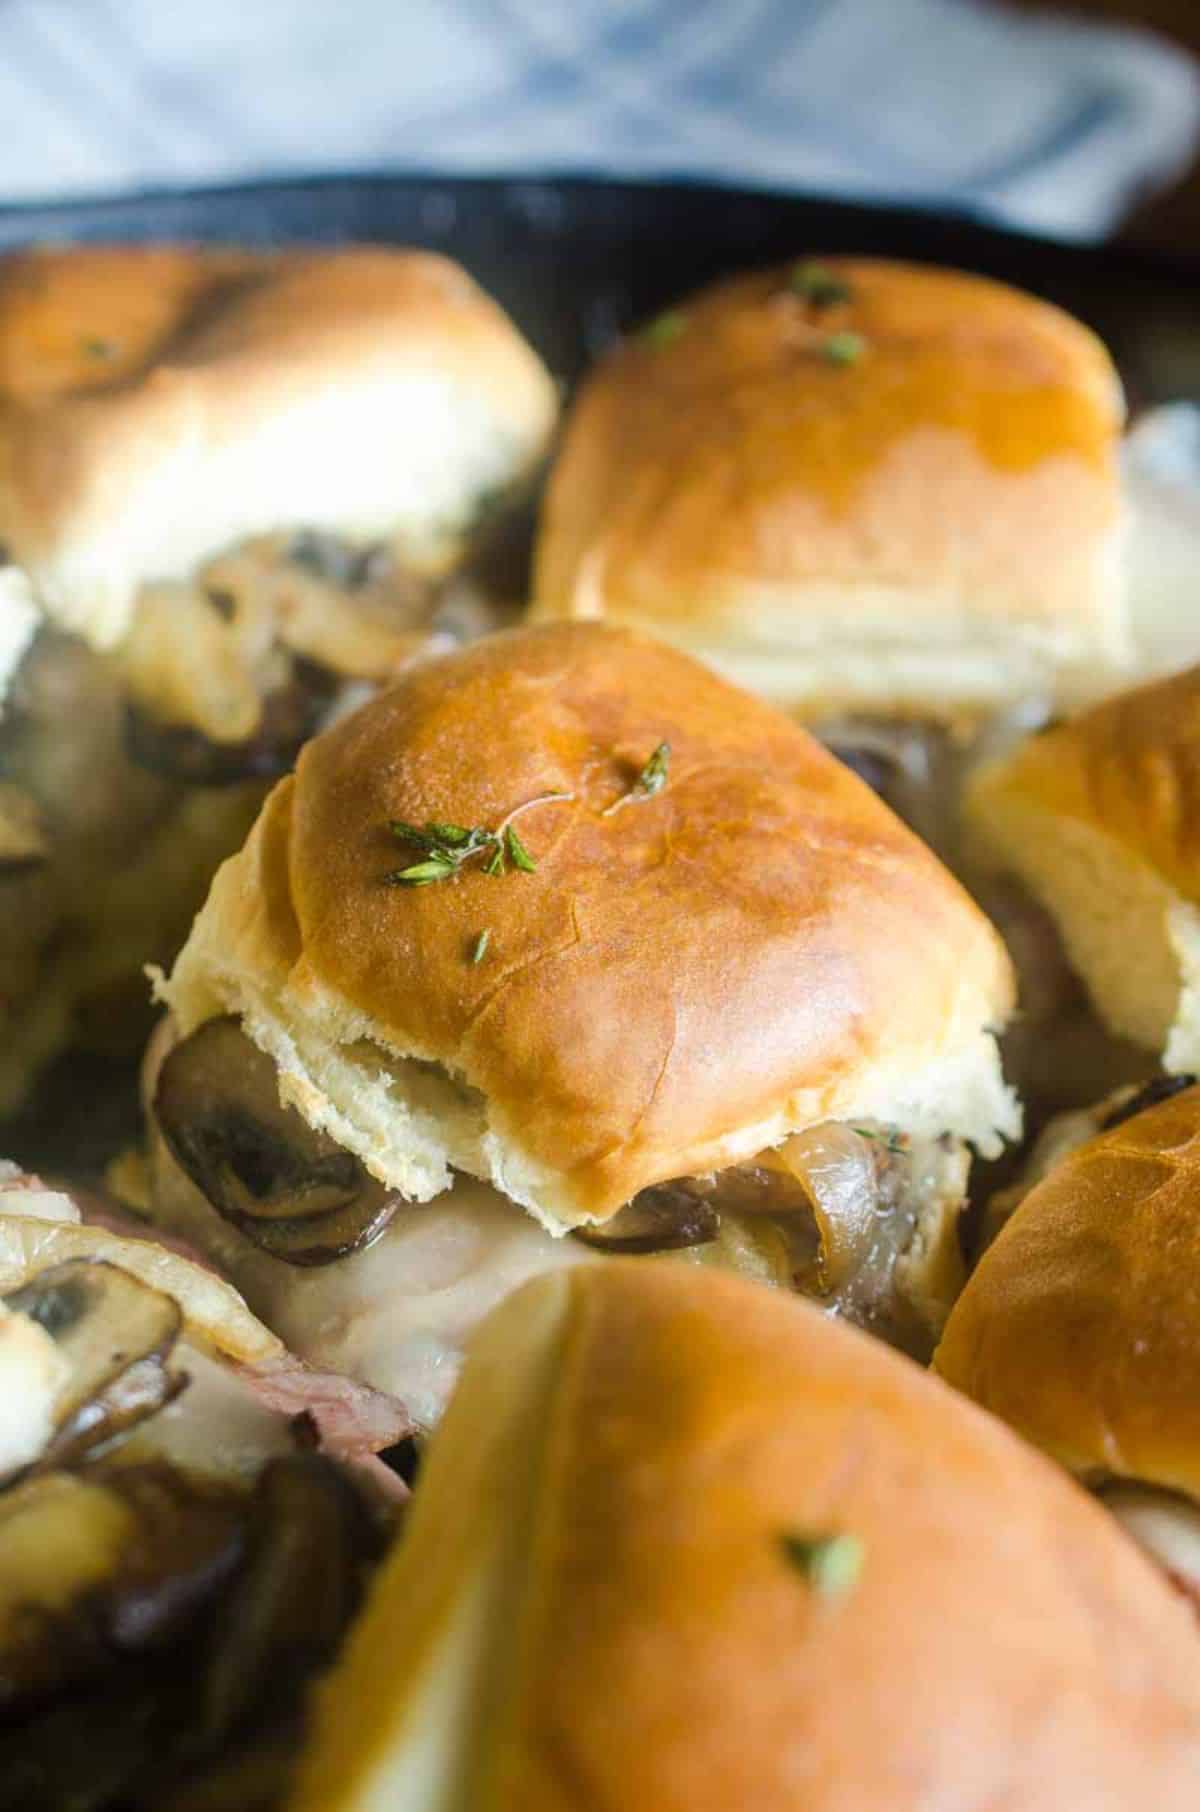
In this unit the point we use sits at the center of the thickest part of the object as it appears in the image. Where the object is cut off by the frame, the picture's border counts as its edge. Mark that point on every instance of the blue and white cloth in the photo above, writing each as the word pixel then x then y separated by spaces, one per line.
pixel 1040 121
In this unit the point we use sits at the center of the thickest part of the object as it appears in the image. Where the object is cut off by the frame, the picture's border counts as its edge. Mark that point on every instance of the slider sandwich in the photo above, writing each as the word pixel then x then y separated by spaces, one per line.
pixel 1099 820
pixel 565 947
pixel 1080 1326
pixel 176 1558
pixel 683 1546
pixel 236 489
pixel 885 496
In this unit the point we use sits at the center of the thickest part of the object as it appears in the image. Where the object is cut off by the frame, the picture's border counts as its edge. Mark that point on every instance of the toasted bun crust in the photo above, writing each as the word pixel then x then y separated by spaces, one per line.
pixel 1101 819
pixel 593 1605
pixel 1081 1325
pixel 160 405
pixel 932 527
pixel 759 946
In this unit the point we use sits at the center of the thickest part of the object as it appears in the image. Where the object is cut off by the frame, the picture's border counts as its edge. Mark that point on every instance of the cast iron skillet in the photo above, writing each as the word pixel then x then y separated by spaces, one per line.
pixel 576 262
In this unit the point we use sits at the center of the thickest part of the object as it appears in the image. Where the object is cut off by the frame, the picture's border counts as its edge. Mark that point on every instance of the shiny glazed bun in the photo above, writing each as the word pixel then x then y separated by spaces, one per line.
pixel 1100 817
pixel 853 485
pixel 687 975
pixel 683 1543
pixel 1081 1323
pixel 160 405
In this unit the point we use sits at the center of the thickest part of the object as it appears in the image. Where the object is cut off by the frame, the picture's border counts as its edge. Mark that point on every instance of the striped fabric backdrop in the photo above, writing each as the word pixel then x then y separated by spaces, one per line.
pixel 1044 122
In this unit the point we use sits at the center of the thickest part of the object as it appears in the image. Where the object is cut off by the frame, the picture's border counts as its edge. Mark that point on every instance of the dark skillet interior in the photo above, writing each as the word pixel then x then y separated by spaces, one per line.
pixel 576 262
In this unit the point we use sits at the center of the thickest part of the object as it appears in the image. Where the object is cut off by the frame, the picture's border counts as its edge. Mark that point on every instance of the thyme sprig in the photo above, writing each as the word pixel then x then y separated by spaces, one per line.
pixel 652 779
pixel 818 285
pixel 446 848
pixel 829 1564
pixel 889 1137
pixel 843 348
pixel 665 329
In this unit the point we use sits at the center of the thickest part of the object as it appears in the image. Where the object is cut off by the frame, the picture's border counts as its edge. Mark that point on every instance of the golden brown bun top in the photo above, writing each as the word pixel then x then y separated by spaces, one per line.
pixel 724 444
pixel 84 318
pixel 157 404
pixel 760 941
pixel 1003 1644
pixel 1129 766
pixel 1081 1324
pixel 76 320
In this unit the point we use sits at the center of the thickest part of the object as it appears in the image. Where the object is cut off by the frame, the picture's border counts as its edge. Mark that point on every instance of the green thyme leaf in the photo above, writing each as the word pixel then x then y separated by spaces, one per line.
pixel 518 855
pixel 666 329
pixel 652 779
pixel 421 874
pixel 818 285
pixel 448 847
pixel 413 833
pixel 830 1564
pixel 888 1137
pixel 96 348
pixel 479 947
pixel 843 348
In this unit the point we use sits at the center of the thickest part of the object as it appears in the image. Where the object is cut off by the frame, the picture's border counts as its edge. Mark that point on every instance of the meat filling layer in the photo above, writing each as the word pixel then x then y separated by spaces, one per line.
pixel 860 1218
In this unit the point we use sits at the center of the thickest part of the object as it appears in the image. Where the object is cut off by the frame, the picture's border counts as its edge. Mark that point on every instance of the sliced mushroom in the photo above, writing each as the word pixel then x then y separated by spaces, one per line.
pixel 190 1539
pixel 666 1218
pixel 310 1543
pixel 23 842
pixel 290 1189
pixel 157 1638
pixel 105 1562
pixel 115 1334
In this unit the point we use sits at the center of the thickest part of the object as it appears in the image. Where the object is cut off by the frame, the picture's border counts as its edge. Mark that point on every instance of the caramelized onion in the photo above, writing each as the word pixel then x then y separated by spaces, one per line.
pixel 23 841
pixel 287 717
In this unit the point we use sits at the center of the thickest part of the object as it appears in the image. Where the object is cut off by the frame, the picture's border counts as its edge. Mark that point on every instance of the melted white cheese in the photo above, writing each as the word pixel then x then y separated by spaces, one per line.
pixel 1161 472
pixel 1164 1523
pixel 216 1426
pixel 32 1373
pixel 399 1314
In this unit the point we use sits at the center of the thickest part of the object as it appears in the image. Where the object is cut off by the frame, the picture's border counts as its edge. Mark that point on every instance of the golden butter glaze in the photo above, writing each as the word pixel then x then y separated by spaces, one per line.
pixel 733 449
pixel 90 317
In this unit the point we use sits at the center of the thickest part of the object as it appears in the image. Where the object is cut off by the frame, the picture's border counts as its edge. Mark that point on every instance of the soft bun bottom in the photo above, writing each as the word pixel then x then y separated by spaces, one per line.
pixel 890 651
